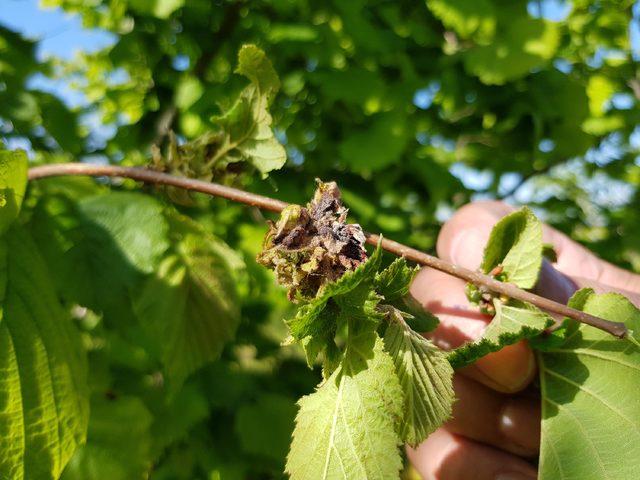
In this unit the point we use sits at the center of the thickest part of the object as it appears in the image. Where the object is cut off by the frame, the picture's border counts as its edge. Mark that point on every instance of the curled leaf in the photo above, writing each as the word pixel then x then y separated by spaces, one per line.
pixel 241 136
pixel 511 324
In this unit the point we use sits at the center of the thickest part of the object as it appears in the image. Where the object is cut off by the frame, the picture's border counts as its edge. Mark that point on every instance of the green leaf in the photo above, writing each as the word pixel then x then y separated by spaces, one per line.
pixel 347 428
pixel 549 252
pixel 310 318
pixel 351 296
pixel 59 121
pixel 265 427
pixel 521 44
pixel 419 319
pixel 242 133
pixel 590 401
pixel 510 324
pixel 13 183
pixel 394 281
pixel 101 243
pixel 425 376
pixel 188 92
pixel 516 244
pixel 246 126
pixel 393 284
pixel 190 305
pixel 254 64
pixel 559 334
pixel 158 8
pixel 43 372
pixel 378 145
pixel 355 85
pixel 118 444
pixel 599 90
pixel 248 135
pixel 134 223
pixel 176 415
pixel 468 18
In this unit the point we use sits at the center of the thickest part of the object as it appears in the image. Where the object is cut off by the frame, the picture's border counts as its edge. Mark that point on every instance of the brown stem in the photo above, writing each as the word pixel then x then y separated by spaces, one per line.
pixel 617 329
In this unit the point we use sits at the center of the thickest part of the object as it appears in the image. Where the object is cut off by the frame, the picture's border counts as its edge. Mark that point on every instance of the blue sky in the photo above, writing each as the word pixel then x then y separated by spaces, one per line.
pixel 59 33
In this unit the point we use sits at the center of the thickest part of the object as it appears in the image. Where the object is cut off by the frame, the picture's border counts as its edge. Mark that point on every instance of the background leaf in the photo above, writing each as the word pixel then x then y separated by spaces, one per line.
pixel 118 444
pixel 100 247
pixel 265 427
pixel 481 99
pixel 13 183
pixel 190 306
pixel 43 382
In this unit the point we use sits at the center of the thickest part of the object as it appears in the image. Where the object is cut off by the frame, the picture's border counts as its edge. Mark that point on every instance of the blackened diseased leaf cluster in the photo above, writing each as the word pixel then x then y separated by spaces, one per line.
pixel 311 246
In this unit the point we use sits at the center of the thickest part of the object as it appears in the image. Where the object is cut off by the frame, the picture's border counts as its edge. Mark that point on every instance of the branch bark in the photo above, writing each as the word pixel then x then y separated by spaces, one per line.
pixel 617 329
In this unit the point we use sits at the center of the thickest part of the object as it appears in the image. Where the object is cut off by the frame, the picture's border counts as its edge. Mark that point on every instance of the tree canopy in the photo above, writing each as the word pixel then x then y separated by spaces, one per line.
pixel 413 107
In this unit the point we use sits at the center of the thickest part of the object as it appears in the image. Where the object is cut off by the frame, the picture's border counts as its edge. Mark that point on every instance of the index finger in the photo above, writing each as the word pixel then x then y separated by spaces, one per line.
pixel 463 237
pixel 508 370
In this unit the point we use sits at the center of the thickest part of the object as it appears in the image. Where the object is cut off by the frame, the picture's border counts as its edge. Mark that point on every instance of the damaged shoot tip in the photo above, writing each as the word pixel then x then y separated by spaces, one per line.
pixel 310 246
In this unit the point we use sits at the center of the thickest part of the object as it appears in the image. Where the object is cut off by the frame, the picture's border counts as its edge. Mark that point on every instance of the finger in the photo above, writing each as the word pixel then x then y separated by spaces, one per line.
pixel 511 423
pixel 559 286
pixel 447 456
pixel 508 370
pixel 463 237
pixel 598 287
pixel 577 261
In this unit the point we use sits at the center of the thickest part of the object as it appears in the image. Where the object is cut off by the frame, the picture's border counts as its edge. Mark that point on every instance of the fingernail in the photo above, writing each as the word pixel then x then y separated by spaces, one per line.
pixel 467 247
pixel 515 476
pixel 510 369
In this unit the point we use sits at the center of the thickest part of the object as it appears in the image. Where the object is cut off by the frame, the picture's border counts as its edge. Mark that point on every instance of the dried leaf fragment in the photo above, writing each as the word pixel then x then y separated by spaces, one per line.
pixel 312 245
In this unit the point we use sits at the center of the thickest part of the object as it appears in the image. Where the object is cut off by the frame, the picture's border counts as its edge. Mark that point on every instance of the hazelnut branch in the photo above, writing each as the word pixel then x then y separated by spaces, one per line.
pixel 616 329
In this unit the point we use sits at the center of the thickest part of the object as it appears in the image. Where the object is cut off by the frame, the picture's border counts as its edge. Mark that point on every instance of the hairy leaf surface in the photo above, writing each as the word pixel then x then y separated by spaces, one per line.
pixel 511 324
pixel 347 428
pixel 43 372
pixel 348 298
pixel 590 401
pixel 394 281
pixel 393 284
pixel 425 377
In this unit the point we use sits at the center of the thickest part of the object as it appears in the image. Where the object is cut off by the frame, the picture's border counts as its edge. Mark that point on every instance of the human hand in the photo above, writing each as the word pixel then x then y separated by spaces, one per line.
pixel 494 432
